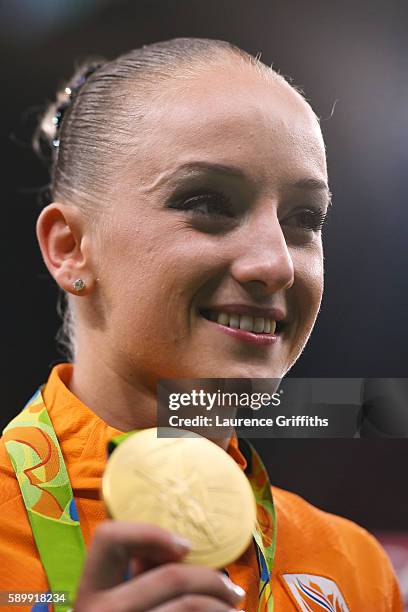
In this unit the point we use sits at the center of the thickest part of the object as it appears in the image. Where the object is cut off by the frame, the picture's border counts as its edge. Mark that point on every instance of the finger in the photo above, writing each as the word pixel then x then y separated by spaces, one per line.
pixel 170 581
pixel 194 603
pixel 116 542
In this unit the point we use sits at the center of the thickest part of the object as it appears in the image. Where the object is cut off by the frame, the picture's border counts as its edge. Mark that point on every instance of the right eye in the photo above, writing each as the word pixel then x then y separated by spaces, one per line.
pixel 206 204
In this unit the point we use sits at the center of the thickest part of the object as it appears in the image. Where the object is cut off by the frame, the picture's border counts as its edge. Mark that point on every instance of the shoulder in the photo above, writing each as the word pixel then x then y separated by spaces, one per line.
pixel 318 542
pixel 308 522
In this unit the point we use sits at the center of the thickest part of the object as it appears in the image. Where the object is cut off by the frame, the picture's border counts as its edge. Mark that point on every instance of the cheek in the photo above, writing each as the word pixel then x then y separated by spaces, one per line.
pixel 152 276
pixel 308 286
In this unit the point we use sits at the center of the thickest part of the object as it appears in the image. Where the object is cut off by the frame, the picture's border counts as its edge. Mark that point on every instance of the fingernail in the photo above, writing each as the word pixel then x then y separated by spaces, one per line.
pixel 181 544
pixel 235 588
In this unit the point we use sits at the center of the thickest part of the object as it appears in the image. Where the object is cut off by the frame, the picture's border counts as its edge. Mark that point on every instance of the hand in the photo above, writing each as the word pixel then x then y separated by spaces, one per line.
pixel 160 583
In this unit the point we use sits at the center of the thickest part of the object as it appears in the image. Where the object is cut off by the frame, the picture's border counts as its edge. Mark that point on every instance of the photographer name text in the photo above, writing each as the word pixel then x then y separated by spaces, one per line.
pixel 218 421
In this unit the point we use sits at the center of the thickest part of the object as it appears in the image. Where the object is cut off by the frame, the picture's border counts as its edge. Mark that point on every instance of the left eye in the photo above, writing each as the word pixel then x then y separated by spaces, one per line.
pixel 307 219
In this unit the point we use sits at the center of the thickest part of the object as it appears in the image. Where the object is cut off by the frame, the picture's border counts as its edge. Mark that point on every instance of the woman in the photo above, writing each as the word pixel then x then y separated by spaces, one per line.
pixel 189 189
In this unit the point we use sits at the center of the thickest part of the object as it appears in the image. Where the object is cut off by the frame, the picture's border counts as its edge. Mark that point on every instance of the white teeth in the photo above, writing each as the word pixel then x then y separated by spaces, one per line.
pixel 256 325
pixel 234 321
pixel 246 322
pixel 259 323
pixel 223 318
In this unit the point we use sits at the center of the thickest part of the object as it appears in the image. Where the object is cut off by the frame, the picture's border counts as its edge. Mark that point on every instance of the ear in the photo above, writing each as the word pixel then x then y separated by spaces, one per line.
pixel 61 233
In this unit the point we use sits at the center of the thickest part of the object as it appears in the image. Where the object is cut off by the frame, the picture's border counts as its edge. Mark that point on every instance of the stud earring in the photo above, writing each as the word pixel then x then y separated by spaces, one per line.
pixel 79 284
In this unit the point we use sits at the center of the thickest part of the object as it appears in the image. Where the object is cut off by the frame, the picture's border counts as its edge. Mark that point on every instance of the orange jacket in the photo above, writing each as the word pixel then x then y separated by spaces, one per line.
pixel 318 554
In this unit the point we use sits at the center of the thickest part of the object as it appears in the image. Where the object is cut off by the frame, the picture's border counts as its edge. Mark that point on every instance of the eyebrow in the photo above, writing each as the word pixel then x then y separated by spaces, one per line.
pixel 311 183
pixel 211 167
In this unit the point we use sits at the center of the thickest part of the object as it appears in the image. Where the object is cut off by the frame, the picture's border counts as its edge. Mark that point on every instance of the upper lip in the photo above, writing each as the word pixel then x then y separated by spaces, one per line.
pixel 245 309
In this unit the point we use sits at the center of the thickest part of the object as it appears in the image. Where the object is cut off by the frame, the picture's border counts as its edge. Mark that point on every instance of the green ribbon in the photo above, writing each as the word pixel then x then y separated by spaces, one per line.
pixel 40 469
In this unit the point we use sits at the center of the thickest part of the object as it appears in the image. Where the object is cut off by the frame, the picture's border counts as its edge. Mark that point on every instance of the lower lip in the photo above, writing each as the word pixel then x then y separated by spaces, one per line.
pixel 246 336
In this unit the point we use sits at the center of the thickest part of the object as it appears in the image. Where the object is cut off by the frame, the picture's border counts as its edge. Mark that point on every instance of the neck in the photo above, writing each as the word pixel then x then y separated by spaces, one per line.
pixel 121 401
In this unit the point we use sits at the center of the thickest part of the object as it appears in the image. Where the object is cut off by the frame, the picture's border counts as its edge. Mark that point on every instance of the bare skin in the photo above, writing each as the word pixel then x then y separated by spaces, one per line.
pixel 156 258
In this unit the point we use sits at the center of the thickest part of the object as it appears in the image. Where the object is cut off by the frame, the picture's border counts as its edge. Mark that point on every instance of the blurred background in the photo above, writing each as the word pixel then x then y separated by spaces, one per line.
pixel 350 58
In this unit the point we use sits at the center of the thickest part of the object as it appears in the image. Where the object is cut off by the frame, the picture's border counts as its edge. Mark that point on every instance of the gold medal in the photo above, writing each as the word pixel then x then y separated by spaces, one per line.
pixel 187 485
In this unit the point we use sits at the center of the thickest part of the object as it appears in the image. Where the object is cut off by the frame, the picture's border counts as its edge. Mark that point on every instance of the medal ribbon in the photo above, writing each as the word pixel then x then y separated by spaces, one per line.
pixel 40 469
pixel 265 531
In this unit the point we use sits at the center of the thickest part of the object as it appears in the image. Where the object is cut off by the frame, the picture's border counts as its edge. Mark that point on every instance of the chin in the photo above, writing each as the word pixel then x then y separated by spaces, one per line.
pixel 241 370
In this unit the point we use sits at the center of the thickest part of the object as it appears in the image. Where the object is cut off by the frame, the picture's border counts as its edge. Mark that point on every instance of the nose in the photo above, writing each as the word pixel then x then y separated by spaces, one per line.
pixel 264 262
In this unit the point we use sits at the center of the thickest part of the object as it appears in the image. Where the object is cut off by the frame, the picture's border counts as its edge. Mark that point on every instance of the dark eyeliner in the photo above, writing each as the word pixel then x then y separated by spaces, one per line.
pixel 218 203
pixel 313 219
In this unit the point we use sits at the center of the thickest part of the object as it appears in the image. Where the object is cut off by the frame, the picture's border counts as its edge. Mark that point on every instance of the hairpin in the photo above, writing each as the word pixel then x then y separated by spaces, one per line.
pixel 70 92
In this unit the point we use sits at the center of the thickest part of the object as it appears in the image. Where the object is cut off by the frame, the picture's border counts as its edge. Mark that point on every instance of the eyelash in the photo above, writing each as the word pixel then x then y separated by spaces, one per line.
pixel 220 206
pixel 313 220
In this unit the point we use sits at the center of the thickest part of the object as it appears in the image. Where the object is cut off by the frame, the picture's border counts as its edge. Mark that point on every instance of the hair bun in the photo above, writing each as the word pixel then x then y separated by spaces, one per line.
pixel 46 137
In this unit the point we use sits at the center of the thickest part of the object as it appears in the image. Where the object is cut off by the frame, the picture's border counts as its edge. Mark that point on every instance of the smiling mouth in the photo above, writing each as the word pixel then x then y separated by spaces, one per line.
pixel 255 325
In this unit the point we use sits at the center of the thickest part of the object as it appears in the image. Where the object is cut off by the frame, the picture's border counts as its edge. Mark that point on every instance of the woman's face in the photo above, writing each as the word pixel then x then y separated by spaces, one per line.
pixel 213 233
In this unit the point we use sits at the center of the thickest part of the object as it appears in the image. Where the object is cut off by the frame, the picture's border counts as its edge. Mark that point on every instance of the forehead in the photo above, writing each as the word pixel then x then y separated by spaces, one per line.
pixel 236 117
